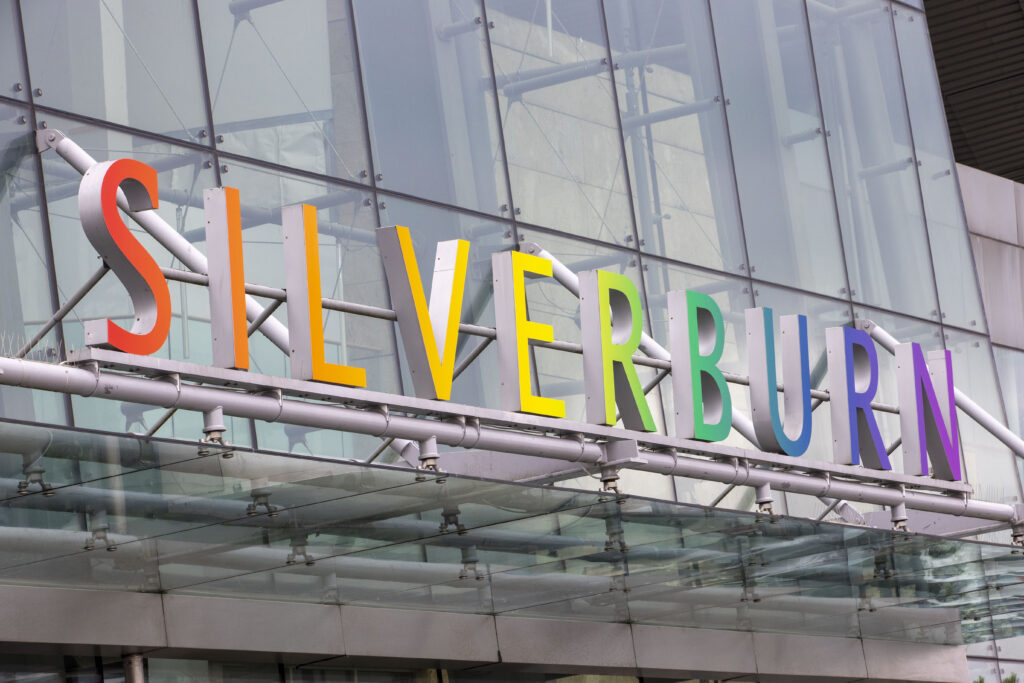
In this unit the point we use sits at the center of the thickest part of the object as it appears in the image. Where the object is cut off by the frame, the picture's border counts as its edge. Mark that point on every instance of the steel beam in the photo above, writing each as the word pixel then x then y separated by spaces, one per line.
pixel 734 466
pixel 156 226
pixel 963 401
pixel 568 279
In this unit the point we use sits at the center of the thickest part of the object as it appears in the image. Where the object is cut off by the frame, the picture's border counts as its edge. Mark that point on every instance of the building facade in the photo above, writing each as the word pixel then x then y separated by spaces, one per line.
pixel 790 154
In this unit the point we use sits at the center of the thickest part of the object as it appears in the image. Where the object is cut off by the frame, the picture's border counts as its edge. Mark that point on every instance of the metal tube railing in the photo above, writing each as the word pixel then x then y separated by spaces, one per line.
pixel 275 408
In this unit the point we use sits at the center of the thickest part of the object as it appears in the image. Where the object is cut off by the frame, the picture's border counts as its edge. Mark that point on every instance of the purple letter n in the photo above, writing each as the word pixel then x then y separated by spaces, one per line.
pixel 928 412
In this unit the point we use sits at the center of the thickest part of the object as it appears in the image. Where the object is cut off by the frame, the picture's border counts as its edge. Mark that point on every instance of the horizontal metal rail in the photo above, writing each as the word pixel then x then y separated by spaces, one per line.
pixel 733 466
pixel 499 439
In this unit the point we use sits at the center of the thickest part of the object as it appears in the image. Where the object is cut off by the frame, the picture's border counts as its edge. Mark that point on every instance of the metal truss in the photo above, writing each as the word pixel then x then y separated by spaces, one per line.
pixel 406 422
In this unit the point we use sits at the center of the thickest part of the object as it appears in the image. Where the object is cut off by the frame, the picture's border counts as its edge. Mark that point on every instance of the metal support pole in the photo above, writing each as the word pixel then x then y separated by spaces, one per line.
pixel 963 401
pixel 763 494
pixel 156 226
pixel 898 514
pixel 830 508
pixel 610 478
pixel 274 408
pixel 213 428
pixel 428 453
pixel 721 496
pixel 134 671
pixel 568 279
pixel 63 310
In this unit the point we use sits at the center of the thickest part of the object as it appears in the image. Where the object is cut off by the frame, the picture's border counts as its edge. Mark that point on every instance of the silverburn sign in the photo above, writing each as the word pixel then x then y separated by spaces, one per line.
pixel 610 317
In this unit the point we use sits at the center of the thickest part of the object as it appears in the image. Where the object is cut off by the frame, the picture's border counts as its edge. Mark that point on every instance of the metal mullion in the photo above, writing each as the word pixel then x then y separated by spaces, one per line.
pixel 618 123
pixel 735 186
pixel 931 252
pixel 828 152
pixel 205 78
pixel 501 127
pixel 121 128
pixel 917 172
pixel 44 211
pixel 728 141
pixel 373 174
pixel 630 197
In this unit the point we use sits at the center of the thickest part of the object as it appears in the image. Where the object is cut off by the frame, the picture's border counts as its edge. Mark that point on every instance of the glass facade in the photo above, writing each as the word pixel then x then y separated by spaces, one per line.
pixel 785 153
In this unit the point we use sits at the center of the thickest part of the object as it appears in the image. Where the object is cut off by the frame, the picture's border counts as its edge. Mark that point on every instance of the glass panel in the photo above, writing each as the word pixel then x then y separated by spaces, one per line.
pixel 989 465
pixel 983 671
pixel 24 268
pixel 183 175
pixel 350 270
pixel 432 111
pixel 904 329
pixel 558 114
pixel 561 373
pixel 777 144
pixel 12 70
pixel 674 123
pixel 284 84
pixel 733 296
pixel 872 158
pixel 1010 370
pixel 299 529
pixel 134 63
pixel 177 670
pixel 821 314
pixel 430 225
pixel 959 298
pixel 1011 672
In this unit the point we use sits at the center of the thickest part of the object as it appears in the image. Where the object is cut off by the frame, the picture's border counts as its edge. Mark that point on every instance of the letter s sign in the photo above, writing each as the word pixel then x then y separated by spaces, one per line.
pixel 131 263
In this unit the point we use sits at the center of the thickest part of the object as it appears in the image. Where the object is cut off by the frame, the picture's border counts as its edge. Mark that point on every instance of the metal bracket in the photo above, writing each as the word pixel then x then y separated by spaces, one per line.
pixel 898 514
pixel 299 552
pixel 763 493
pixel 47 139
pixel 428 457
pixel 261 498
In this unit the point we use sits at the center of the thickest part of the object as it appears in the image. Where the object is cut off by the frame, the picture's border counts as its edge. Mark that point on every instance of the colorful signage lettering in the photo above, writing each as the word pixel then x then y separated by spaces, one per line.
pixel 611 321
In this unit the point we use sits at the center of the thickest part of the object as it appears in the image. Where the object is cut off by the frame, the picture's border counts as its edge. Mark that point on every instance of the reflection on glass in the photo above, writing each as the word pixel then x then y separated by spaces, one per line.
pixel 182 176
pixel 432 111
pixel 777 144
pixel 733 297
pixel 959 298
pixel 989 465
pixel 1010 370
pixel 904 329
pixel 12 71
pixel 24 276
pixel 560 373
pixel 350 270
pixel 821 314
pixel 558 115
pixel 310 530
pixel 284 86
pixel 674 125
pixel 139 67
pixel 428 226
pixel 872 158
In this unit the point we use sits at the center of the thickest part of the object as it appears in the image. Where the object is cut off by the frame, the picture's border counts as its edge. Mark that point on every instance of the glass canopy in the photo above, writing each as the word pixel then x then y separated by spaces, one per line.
pixel 96 511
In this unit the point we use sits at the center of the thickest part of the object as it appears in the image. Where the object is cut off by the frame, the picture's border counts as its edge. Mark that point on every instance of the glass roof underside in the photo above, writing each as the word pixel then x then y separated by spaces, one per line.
pixel 124 513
